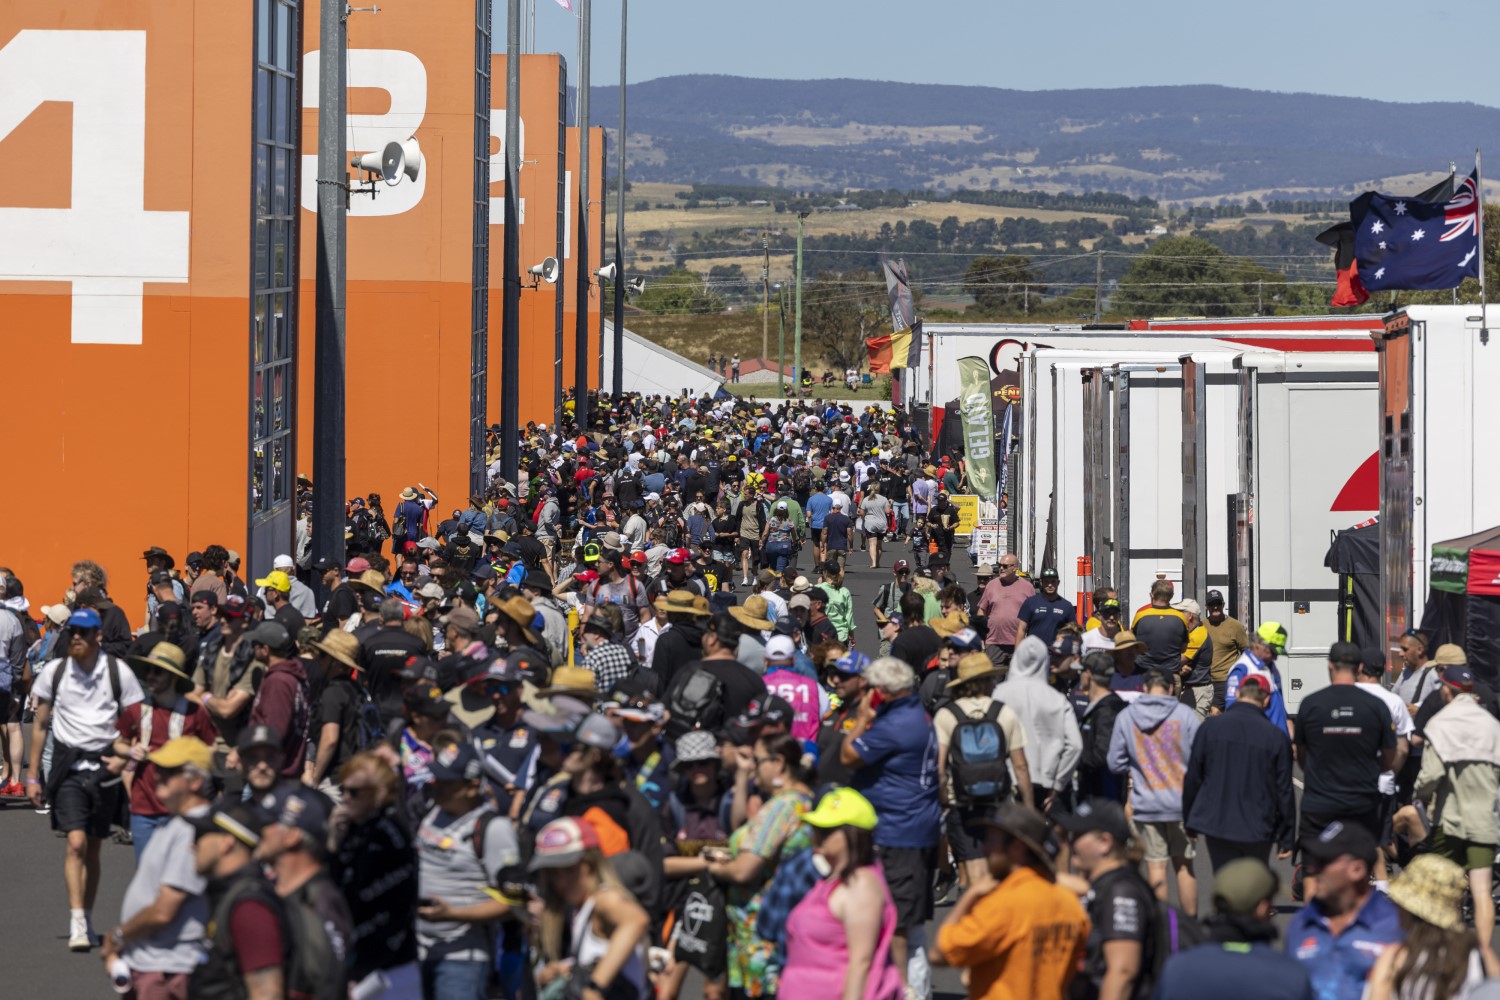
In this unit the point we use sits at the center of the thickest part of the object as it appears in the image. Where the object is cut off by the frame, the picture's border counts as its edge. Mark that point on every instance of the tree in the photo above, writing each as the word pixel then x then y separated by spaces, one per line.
pixel 679 292
pixel 1003 285
pixel 840 310
pixel 1186 275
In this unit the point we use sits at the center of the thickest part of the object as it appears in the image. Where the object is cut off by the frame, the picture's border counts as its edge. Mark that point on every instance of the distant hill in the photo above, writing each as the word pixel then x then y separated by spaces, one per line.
pixel 1164 142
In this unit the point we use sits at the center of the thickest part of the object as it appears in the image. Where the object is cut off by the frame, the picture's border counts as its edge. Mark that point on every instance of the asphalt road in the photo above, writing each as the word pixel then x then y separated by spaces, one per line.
pixel 33 906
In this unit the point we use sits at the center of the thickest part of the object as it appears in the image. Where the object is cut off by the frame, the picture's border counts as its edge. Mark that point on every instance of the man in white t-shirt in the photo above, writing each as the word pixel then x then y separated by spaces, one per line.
pixel 81 696
pixel 1103 636
pixel 1368 680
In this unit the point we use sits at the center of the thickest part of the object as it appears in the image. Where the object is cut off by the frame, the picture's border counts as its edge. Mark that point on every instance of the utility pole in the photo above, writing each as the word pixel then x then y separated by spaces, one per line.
pixel 797 334
pixel 781 340
pixel 585 275
pixel 1260 309
pixel 765 297
pixel 510 328
pixel 328 348
pixel 1098 285
pixel 619 384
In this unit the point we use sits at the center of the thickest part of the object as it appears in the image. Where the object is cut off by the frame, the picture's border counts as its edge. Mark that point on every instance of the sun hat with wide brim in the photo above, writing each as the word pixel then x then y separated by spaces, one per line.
pixel 753 613
pixel 370 579
pixel 680 602
pixel 1431 888
pixel 342 646
pixel 521 611
pixel 1026 825
pixel 408 494
pixel 973 666
pixel 163 656
pixel 1126 639
pixel 575 681
pixel 471 705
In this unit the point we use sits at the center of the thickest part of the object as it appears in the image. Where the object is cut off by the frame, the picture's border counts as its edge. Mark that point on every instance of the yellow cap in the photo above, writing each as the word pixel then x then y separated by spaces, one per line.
pixel 276 581
pixel 182 751
pixel 1273 634
pixel 842 807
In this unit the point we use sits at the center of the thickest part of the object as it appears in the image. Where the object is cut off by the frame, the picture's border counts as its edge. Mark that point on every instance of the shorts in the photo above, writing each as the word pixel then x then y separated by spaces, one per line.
pixel 908 874
pixel 1471 856
pixel 11 707
pixel 750 545
pixel 84 802
pixel 1198 697
pixel 549 545
pixel 817 535
pixel 1164 840
pixel 1312 824
pixel 965 835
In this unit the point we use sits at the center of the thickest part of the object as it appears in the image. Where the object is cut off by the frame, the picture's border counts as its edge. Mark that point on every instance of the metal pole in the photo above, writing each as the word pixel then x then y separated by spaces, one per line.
pixel 765 297
pixel 510 329
pixel 603 242
pixel 797 334
pixel 328 376
pixel 781 340
pixel 1098 284
pixel 619 380
pixel 585 274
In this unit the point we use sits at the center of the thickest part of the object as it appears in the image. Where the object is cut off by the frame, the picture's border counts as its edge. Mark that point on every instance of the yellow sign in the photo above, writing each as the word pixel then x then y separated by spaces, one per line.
pixel 967 505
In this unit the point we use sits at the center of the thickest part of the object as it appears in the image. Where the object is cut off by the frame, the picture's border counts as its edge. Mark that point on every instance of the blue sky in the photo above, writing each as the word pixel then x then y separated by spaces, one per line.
pixel 1351 49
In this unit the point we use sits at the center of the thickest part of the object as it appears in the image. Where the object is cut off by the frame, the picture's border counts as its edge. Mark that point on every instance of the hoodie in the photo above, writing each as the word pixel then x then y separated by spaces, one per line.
pixel 1153 739
pixel 1053 742
pixel 282 703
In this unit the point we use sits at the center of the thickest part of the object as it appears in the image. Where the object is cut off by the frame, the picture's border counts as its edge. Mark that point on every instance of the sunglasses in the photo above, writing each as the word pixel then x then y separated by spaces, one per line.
pixel 499 687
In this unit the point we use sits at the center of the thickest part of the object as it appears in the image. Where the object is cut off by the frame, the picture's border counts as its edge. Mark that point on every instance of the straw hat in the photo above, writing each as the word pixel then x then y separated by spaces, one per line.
pixel 680 602
pixel 1126 639
pixel 408 494
pixel 521 611
pixel 342 646
pixel 164 656
pixel 946 625
pixel 1431 889
pixel 753 613
pixel 972 666
pixel 371 579
pixel 577 681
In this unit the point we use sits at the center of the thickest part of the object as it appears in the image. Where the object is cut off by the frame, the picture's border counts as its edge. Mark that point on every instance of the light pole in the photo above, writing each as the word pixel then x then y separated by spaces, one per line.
pixel 619 382
pixel 584 280
pixel 781 338
pixel 510 276
pixel 765 300
pixel 797 336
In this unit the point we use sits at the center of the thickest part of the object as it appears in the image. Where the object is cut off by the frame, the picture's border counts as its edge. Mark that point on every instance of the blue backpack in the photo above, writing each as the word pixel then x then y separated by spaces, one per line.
pixel 978 771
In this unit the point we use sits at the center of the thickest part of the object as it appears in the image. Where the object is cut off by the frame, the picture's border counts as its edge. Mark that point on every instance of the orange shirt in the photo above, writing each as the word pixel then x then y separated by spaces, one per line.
pixel 1023 941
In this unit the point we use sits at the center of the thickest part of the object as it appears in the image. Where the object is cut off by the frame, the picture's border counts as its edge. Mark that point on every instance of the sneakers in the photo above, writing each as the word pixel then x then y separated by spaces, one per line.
pixel 79 938
pixel 13 789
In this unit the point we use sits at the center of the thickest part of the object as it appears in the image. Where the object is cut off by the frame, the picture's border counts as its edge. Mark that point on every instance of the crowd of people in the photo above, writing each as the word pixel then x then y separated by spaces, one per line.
pixel 611 731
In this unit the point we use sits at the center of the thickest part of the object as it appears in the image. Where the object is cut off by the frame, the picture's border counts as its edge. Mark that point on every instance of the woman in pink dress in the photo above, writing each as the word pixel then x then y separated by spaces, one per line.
pixel 838 939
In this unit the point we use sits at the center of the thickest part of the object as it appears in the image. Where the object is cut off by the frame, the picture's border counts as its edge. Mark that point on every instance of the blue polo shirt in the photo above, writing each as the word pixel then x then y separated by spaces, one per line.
pixel 1338 966
pixel 900 774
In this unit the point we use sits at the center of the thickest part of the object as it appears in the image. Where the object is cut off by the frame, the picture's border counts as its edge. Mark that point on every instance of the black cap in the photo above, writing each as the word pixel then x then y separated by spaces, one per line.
pixel 1048 573
pixel 323 564
pixel 1214 597
pixel 1097 815
pixel 259 736
pixel 241 820
pixel 1338 839
pixel 1346 654
pixel 293 804
pixel 778 710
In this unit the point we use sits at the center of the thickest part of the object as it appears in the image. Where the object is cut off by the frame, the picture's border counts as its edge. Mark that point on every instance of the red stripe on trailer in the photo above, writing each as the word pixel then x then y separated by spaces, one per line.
pixel 1300 345
pixel 1362 490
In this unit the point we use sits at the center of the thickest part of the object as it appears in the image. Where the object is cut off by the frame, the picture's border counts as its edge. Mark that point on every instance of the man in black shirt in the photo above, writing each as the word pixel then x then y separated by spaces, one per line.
pixel 1121 948
pixel 1344 739
pixel 721 638
pixel 1163 629
pixel 383 653
pixel 917 642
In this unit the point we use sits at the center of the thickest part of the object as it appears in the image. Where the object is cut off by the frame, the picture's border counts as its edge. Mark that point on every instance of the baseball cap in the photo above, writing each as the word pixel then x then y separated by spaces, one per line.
pixel 259 736
pixel 842 807
pixel 779 648
pixel 1273 634
pixel 84 618
pixel 966 638
pixel 283 561
pixel 1459 677
pixel 1097 815
pixel 241 820
pixel 357 565
pixel 777 710
pixel 457 762
pixel 902 566
pixel 426 700
pixel 1066 645
pixel 1213 598
pixel 1260 678
pixel 1048 573
pixel 852 663
pixel 800 601
pixel 1449 655
pixel 1242 884
pixel 293 804
pixel 1188 606
pixel 1108 604
pixel 677 557
pixel 276 580
pixel 596 731
pixel 563 842
pixel 182 751
pixel 463 616
pixel 1338 839
pixel 273 634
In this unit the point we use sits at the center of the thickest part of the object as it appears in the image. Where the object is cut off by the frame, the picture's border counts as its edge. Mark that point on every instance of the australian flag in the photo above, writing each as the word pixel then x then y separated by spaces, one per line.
pixel 1408 244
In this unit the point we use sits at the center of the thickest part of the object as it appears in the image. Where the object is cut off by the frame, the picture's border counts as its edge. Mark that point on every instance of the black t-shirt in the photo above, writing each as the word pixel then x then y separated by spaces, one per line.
pixel 292 619
pixel 339 703
pixel 741 684
pixel 837 525
pixel 1165 634
pixel 1342 730
pixel 1121 907
pixel 916 645
pixel 383 653
pixel 341 605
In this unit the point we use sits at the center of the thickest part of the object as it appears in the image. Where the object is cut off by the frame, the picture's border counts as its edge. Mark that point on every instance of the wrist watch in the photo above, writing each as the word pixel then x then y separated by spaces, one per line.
pixel 117 937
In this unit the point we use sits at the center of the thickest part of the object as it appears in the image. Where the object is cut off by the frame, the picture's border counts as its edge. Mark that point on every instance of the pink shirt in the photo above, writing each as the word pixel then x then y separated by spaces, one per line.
pixel 802 694
pixel 1001 603
pixel 817 954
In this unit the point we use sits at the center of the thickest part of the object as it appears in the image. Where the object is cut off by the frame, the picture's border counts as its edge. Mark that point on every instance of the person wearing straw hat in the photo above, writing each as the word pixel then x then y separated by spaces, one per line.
pixel 1440 956
pixel 146 726
pixel 1239 961
pixel 971 706
pixel 1017 931
pixel 342 711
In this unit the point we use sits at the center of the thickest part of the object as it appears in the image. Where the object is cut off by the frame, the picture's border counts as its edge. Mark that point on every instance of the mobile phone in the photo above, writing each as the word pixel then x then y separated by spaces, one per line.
pixel 424 900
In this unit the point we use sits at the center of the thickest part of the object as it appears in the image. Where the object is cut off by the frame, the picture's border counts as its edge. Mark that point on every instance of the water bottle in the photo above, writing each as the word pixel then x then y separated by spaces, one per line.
pixel 119 975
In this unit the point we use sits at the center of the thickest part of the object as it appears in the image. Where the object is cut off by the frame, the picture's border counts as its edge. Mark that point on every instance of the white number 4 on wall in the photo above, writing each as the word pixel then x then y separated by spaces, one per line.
pixel 105 243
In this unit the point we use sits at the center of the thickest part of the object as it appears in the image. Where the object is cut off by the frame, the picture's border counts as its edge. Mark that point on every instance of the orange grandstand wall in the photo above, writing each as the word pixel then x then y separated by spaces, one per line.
pixel 124 262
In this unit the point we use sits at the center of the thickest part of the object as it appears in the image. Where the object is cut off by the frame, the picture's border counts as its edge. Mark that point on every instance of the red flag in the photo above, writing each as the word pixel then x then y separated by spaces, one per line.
pixel 880 354
pixel 1350 291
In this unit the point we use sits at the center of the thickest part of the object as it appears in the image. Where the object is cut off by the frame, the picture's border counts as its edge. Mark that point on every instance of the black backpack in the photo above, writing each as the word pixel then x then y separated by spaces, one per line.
pixel 365 730
pixel 696 703
pixel 314 969
pixel 1175 932
pixel 978 758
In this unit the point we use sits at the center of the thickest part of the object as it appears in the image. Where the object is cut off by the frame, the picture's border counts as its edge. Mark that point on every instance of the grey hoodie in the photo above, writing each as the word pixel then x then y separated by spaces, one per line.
pixel 1152 741
pixel 1053 742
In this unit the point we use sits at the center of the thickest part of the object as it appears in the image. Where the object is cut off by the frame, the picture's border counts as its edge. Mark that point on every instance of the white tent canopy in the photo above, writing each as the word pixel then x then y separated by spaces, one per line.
pixel 652 369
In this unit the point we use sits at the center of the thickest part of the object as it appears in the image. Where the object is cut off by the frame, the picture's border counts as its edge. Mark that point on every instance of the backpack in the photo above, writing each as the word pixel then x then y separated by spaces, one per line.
pixel 314 969
pixel 398 527
pixel 978 771
pixel 801 481
pixel 1174 932
pixel 696 703
pixel 111 665
pixel 29 628
pixel 366 730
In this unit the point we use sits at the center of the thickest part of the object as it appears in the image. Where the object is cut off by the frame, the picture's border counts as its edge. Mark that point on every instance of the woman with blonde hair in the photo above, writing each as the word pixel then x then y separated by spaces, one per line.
pixel 1440 957
pixel 605 957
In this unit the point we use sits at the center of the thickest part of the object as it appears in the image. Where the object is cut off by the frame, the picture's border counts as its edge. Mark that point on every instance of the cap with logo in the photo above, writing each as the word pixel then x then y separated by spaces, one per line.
pixel 293 804
pixel 1273 634
pixel 241 820
pixel 275 580
pixel 457 762
pixel 84 618
pixel 562 843
pixel 1214 598
pixel 966 639
pixel 1338 839
pixel 1458 677
pixel 853 662
pixel 259 736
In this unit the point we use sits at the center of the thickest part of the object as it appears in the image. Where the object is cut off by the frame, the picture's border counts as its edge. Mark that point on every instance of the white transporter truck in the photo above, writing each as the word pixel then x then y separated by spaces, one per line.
pixel 1439 464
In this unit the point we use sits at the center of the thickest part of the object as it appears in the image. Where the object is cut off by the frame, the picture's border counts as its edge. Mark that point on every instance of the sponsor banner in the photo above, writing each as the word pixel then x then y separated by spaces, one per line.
pixel 967 505
pixel 1484 572
pixel 974 398
pixel 1450 570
